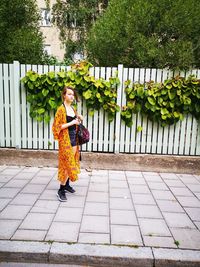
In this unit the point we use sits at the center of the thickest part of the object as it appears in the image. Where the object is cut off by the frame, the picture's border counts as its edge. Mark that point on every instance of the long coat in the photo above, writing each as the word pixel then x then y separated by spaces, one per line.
pixel 68 163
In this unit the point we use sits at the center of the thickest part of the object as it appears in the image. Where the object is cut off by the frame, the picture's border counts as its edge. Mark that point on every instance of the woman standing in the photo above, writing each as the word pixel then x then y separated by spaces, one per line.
pixel 65 131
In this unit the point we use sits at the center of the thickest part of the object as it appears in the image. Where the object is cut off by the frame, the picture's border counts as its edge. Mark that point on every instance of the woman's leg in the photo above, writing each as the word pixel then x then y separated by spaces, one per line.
pixel 67 185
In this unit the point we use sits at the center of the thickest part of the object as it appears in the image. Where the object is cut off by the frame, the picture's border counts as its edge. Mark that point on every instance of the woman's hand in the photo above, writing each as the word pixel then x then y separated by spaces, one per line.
pixel 80 117
pixel 75 121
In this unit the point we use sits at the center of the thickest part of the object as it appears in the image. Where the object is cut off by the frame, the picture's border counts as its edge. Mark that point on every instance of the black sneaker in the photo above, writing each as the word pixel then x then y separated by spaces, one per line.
pixel 70 189
pixel 61 196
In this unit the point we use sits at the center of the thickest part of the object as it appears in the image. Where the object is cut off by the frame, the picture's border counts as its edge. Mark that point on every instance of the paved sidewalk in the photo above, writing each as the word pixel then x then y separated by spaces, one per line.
pixel 144 209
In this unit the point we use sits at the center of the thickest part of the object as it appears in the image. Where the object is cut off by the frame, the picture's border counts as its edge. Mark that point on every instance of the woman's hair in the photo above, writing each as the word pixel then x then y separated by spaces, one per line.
pixel 65 90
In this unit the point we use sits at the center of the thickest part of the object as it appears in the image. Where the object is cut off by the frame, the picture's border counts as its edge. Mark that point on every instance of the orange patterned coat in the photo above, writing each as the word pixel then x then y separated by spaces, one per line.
pixel 68 164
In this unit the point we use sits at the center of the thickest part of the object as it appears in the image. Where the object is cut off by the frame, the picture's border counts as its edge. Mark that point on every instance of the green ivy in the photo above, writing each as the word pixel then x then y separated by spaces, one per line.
pixel 165 103
pixel 44 91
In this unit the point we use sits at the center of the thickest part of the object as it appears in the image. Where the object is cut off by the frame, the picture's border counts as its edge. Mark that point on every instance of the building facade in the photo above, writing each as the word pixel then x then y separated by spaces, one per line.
pixel 53 45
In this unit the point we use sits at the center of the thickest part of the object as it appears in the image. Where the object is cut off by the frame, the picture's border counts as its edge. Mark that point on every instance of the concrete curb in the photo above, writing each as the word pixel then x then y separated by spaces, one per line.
pixel 96 255
pixel 109 161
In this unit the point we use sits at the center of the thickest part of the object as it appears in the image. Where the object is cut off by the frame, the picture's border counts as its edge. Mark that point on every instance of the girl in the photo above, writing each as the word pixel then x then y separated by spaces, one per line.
pixel 65 131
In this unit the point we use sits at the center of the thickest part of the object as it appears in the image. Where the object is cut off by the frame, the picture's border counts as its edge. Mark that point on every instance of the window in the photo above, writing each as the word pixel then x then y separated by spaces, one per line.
pixel 45 17
pixel 47 49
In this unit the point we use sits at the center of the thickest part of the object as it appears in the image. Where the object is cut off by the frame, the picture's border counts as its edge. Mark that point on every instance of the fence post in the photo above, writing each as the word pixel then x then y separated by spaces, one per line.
pixel 16 94
pixel 118 115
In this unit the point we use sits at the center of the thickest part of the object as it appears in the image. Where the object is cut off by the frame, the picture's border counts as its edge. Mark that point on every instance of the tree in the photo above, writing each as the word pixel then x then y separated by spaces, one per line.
pixel 20 37
pixel 74 18
pixel 143 33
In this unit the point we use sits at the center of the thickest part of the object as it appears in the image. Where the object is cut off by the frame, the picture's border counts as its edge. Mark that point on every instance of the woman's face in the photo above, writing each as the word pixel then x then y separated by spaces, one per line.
pixel 69 96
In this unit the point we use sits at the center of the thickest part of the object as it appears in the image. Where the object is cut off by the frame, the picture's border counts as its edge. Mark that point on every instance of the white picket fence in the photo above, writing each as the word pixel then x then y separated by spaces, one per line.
pixel 18 130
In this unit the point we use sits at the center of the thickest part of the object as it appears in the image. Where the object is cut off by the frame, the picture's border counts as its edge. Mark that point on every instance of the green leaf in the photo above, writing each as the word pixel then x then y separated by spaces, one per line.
pixel 151 100
pixel 45 92
pixel 87 94
pixel 139 129
pixel 40 110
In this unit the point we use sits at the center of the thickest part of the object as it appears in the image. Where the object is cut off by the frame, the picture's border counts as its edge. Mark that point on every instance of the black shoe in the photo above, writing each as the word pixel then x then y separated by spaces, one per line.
pixel 68 188
pixel 61 196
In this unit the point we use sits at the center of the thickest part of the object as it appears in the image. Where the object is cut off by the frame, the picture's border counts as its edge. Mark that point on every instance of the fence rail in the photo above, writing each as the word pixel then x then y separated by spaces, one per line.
pixel 20 131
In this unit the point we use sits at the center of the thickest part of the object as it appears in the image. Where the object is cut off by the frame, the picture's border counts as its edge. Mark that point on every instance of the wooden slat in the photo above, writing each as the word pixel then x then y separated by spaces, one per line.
pixel 24 113
pixel 2 107
pixel 123 127
pixel 194 132
pixel 182 137
pixel 6 105
pixel 90 121
pixel 188 135
pixel 46 128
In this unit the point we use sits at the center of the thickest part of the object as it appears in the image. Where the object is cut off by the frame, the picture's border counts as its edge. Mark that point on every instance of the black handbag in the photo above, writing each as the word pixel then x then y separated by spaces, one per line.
pixel 83 134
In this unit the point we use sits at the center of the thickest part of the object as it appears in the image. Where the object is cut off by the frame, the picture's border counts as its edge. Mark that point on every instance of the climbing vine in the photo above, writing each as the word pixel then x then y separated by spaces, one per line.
pixel 44 91
pixel 165 103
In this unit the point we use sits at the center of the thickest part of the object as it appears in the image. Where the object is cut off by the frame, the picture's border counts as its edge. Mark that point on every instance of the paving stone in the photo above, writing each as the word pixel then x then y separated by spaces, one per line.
pixel 49 195
pixel 95 224
pixel 146 199
pixel 167 195
pixel 80 191
pixel 98 187
pixel 194 213
pixel 73 201
pixel 157 186
pixel 97 197
pixel 52 185
pixel 181 191
pixel 139 189
pixel 99 179
pixel 69 215
pixel 124 217
pixel 121 204
pixel 121 193
pixel 118 184
pixel 45 206
pixel 100 173
pixel 8 227
pixel 124 234
pixel 96 208
pixel 197 225
pixel 189 180
pixel 148 211
pixel 47 172
pixel 8 192
pixel 81 182
pixel 14 212
pixel 92 238
pixel 33 189
pixel 41 180
pixel 33 235
pixel 153 178
pixel 153 227
pixel 150 173
pixel 189 202
pixel 197 195
pixel 1 185
pixel 25 199
pixel 178 220
pixel 24 176
pixel 157 241
pixel 31 169
pixel 185 175
pixel 174 183
pixel 5 178
pixel 11 171
pixel 116 175
pixel 4 202
pixel 37 221
pixel 194 187
pixel 133 174
pixel 136 180
pixel 64 232
pixel 169 176
pixel 187 238
pixel 16 183
pixel 169 206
